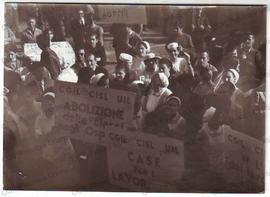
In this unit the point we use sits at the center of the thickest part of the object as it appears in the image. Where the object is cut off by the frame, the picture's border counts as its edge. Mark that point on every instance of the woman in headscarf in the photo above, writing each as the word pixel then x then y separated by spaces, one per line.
pixel 151 67
pixel 158 92
pixel 143 49
pixel 120 77
pixel 174 123
pixel 231 75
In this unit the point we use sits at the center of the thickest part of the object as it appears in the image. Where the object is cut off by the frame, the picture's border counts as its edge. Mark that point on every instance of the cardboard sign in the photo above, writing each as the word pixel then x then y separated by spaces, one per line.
pixel 100 116
pixel 93 108
pixel 126 14
pixel 244 158
pixel 63 50
pixel 147 163
pixel 33 51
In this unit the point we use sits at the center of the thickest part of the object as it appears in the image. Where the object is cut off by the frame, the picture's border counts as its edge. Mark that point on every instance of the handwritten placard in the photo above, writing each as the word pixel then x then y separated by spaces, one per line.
pixel 126 14
pixel 33 51
pixel 63 50
pixel 244 158
pixel 147 163
pixel 86 107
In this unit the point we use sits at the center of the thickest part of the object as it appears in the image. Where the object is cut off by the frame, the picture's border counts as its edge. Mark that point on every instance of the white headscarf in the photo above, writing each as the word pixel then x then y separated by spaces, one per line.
pixel 235 74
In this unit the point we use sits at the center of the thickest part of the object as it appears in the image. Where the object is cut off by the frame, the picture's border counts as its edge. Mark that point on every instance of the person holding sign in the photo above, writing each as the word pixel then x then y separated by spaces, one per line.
pixel 143 49
pixel 166 120
pixel 227 112
pixel 120 78
pixel 49 58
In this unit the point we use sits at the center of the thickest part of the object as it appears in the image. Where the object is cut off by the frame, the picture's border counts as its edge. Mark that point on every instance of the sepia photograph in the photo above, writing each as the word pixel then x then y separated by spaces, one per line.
pixel 153 98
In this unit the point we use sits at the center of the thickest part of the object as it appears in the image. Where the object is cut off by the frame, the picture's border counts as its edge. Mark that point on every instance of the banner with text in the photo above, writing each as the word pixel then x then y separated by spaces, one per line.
pixel 244 159
pixel 63 50
pixel 147 163
pixel 87 108
pixel 126 14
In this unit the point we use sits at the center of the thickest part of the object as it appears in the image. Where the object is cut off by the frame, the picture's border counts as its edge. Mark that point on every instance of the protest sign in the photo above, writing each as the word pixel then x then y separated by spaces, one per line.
pixel 126 14
pixel 89 108
pixel 63 50
pixel 136 161
pixel 147 163
pixel 244 159
pixel 33 51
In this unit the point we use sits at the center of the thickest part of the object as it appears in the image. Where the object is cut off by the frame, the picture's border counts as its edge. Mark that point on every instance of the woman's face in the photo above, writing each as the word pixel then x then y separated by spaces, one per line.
pixel 156 84
pixel 204 58
pixel 142 50
pixel 120 74
pixel 174 53
pixel 48 107
pixel 152 67
pixel 174 105
pixel 164 69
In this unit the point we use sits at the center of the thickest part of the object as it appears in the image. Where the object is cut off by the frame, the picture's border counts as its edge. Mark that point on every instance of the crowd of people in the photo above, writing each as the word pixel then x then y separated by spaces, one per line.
pixel 175 94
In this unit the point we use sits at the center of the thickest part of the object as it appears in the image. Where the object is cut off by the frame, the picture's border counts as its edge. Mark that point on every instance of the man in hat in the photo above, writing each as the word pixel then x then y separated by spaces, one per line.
pixel 151 67
pixel 180 60
pixel 31 33
pixel 127 60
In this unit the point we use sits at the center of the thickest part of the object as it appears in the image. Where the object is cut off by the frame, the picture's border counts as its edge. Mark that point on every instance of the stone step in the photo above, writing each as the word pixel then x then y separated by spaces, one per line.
pixel 144 34
pixel 152 39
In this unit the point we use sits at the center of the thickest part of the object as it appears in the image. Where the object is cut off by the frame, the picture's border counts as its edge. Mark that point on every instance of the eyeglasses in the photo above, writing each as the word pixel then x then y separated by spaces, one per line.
pixel 81 54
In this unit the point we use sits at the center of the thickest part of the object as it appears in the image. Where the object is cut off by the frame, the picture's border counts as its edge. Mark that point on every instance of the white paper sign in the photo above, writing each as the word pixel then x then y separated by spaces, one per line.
pixel 63 50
